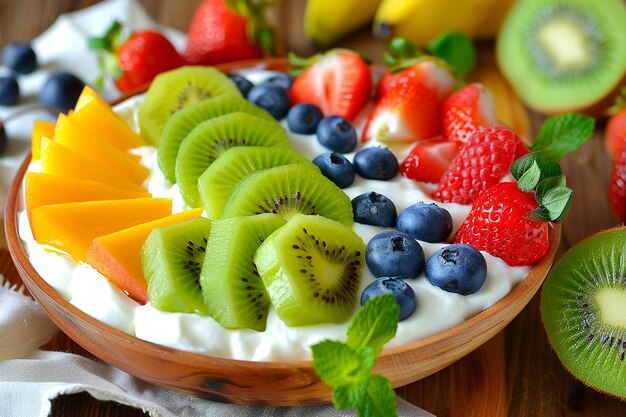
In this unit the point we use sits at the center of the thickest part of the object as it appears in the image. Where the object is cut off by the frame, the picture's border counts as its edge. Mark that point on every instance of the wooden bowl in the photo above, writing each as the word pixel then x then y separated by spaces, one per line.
pixel 259 383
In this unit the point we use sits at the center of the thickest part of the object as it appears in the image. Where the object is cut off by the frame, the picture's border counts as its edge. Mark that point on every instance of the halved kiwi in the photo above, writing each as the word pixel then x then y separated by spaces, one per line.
pixel 563 55
pixel 311 270
pixel 173 90
pixel 184 121
pixel 233 290
pixel 288 190
pixel 210 139
pixel 583 305
pixel 219 179
pixel 172 258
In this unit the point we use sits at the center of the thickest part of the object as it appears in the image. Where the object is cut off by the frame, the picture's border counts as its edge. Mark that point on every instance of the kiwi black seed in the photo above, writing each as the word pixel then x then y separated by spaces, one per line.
pixel 172 259
pixel 583 305
pixel 288 190
pixel 311 268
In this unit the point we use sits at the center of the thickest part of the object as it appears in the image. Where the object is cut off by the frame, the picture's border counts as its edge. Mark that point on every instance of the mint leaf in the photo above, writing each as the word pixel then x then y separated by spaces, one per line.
pixel 457 49
pixel 539 214
pixel 550 169
pixel 349 396
pixel 375 323
pixel 563 134
pixel 547 184
pixel 380 400
pixel 337 364
pixel 523 164
pixel 529 180
pixel 556 201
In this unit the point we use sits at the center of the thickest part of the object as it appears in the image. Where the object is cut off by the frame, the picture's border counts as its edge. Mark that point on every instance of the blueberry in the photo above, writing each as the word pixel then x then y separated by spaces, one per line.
pixel 392 253
pixel 280 79
pixel 426 222
pixel 374 209
pixel 304 118
pixel 61 91
pixel 9 91
pixel 336 168
pixel 3 138
pixel 336 134
pixel 242 83
pixel 20 57
pixel 457 268
pixel 404 294
pixel 376 163
pixel 272 98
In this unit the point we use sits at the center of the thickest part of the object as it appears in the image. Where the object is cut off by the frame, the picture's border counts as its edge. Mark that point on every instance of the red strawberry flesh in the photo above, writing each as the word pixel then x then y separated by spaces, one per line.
pixel 467 111
pixel 428 160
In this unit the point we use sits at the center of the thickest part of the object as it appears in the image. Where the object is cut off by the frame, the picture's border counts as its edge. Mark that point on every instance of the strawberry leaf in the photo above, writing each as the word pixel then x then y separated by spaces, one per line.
pixel 562 134
pixel 550 169
pixel 457 49
pixel 521 165
pixel 556 201
pixel 547 184
pixel 540 214
pixel 529 180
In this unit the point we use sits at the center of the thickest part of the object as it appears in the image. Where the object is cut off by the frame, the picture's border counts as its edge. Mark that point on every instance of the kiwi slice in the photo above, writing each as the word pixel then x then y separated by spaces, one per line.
pixel 219 179
pixel 184 121
pixel 289 190
pixel 171 259
pixel 233 291
pixel 173 90
pixel 564 55
pixel 583 305
pixel 208 141
pixel 311 268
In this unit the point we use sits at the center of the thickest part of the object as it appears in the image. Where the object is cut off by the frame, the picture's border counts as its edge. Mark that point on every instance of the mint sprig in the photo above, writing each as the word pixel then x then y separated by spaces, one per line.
pixel 347 366
pixel 540 172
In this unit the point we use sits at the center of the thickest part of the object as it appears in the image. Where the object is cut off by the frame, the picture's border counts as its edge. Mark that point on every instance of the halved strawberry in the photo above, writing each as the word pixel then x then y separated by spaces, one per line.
pixel 616 132
pixel 466 111
pixel 428 72
pixel 428 160
pixel 617 190
pixel 407 112
pixel 338 82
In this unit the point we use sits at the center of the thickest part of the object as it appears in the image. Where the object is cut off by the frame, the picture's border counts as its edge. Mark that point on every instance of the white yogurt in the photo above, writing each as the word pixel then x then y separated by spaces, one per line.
pixel 437 310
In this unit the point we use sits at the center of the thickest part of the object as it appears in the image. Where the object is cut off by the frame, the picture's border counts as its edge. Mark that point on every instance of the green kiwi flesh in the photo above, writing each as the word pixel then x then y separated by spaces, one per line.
pixel 219 179
pixel 210 139
pixel 176 89
pixel 563 55
pixel 311 270
pixel 583 305
pixel 233 291
pixel 288 190
pixel 185 120
pixel 172 258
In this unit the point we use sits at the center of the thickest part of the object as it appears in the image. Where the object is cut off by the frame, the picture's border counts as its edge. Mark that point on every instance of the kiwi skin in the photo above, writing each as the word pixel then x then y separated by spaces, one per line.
pixel 589 348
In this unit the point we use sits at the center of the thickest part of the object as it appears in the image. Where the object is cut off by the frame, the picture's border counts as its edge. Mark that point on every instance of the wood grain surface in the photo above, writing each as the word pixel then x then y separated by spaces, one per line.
pixel 514 374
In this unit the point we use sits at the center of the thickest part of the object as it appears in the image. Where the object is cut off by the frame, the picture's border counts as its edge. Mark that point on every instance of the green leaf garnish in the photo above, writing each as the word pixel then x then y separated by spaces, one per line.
pixel 529 180
pixel 556 200
pixel 562 134
pixel 457 49
pixel 547 184
pixel 347 366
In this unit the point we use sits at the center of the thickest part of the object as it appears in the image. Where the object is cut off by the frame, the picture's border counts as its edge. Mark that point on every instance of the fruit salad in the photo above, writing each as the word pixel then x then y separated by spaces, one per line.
pixel 254 228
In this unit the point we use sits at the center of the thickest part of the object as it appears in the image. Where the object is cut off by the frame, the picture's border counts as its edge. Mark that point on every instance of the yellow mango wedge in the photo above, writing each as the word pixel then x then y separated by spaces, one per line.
pixel 117 256
pixel 41 128
pixel 71 227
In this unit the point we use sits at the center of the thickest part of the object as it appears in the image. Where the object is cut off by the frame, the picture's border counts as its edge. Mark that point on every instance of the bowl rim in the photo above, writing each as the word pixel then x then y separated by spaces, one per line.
pixel 442 340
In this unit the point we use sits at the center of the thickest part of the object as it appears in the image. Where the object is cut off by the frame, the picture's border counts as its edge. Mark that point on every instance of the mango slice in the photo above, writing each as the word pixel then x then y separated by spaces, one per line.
pixel 41 128
pixel 71 227
pixel 117 256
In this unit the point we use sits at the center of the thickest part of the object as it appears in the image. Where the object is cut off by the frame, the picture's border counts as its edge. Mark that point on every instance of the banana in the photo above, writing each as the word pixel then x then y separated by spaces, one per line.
pixel 327 21
pixel 420 21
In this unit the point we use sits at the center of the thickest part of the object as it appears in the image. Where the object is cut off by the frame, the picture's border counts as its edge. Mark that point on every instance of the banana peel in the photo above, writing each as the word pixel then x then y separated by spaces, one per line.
pixel 507 105
pixel 327 21
pixel 423 20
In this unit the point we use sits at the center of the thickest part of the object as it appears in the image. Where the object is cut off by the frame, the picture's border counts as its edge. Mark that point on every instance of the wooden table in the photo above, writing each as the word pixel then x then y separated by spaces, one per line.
pixel 515 374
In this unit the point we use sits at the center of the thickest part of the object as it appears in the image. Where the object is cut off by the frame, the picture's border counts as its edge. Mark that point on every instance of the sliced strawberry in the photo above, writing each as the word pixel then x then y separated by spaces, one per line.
pixel 339 83
pixel 617 192
pixel 428 72
pixel 481 163
pixel 407 112
pixel 466 111
pixel 428 160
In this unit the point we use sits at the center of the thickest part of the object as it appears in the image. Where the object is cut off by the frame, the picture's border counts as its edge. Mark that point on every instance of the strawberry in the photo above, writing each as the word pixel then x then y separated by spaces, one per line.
pixel 617 191
pixel 428 160
pixel 218 34
pixel 407 112
pixel 481 163
pixel 498 224
pixel 135 60
pixel 616 132
pixel 466 111
pixel 338 82
pixel 428 72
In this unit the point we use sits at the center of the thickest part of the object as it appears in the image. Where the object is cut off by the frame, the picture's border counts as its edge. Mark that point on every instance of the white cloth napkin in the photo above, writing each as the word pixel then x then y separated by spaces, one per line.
pixel 31 378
